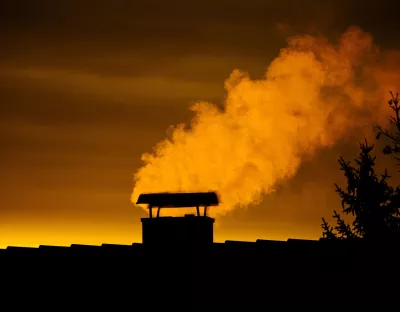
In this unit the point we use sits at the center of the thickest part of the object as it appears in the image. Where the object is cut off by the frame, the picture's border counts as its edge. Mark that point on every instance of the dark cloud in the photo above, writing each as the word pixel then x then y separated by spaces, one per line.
pixel 97 28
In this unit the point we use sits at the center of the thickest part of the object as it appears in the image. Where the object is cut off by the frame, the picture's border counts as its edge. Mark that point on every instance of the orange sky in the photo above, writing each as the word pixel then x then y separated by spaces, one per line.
pixel 85 90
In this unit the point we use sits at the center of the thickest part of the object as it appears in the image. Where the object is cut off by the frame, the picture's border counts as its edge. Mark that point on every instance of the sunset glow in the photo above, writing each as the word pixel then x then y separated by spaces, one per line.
pixel 255 100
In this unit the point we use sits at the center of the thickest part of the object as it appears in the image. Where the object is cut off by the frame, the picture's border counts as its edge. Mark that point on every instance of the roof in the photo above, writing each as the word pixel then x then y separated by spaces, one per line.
pixel 179 200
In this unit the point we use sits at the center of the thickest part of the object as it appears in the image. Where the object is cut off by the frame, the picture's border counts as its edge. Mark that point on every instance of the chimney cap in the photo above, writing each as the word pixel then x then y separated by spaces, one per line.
pixel 179 200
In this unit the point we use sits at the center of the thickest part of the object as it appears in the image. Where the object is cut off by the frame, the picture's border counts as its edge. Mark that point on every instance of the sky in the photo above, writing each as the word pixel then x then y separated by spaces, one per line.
pixel 87 87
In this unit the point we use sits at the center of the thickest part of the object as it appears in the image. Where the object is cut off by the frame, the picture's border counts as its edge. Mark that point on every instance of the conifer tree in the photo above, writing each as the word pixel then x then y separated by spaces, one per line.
pixel 393 148
pixel 368 198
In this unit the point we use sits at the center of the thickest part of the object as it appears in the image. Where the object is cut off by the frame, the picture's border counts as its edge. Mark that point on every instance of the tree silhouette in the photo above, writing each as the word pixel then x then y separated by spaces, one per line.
pixel 392 149
pixel 368 198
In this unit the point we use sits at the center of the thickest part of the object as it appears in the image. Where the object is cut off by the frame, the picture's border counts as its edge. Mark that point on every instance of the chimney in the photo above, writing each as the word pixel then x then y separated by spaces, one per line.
pixel 188 231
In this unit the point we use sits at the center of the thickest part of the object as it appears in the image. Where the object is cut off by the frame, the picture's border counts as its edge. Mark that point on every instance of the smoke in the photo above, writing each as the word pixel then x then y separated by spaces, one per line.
pixel 313 95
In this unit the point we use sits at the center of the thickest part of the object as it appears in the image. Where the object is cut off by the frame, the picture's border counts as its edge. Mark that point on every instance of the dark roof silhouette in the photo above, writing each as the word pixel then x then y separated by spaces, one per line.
pixel 238 272
pixel 177 200
pixel 259 244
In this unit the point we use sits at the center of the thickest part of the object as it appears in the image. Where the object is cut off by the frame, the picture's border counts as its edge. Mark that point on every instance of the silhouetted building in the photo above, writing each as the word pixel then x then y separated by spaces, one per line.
pixel 229 272
pixel 190 230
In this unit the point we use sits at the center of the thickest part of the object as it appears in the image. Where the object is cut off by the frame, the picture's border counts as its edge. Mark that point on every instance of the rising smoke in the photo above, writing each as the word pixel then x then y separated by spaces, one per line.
pixel 313 95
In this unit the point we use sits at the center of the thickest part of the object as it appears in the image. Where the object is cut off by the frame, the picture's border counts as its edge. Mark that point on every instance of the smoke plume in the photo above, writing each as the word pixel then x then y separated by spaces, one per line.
pixel 314 94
